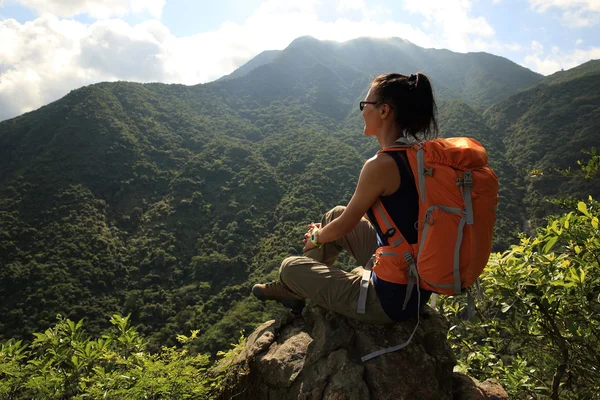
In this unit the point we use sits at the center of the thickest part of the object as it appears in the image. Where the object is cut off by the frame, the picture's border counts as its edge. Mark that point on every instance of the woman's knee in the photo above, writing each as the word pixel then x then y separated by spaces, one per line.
pixel 333 213
pixel 287 267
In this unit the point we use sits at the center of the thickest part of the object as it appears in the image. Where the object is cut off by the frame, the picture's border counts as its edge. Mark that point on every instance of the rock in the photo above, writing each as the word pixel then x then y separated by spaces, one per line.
pixel 318 356
pixel 467 388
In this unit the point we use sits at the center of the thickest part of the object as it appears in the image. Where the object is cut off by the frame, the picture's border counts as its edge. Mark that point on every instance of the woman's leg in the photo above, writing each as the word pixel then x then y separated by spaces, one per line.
pixel 331 288
pixel 361 242
pixel 314 277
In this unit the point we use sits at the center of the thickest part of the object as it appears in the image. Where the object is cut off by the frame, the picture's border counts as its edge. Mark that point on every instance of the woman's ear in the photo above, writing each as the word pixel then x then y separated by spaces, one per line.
pixel 384 110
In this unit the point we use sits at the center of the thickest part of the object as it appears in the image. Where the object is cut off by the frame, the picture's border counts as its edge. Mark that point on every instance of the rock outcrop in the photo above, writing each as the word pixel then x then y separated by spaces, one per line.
pixel 318 356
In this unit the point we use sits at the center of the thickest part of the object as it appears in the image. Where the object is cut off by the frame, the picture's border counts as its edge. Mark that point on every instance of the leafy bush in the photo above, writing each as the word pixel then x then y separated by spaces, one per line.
pixel 64 363
pixel 538 326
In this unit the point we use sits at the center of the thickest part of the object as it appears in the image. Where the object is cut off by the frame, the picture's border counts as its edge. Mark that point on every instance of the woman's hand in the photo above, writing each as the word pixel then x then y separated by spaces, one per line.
pixel 307 243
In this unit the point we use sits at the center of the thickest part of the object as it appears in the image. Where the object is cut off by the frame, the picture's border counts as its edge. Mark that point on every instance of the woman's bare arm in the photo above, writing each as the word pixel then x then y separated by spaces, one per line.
pixel 372 183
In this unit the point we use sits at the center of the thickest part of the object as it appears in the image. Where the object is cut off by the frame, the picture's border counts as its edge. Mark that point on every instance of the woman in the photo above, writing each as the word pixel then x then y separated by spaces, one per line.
pixel 396 107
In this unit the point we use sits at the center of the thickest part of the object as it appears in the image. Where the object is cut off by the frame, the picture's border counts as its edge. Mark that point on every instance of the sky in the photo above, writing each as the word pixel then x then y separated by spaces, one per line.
pixel 50 47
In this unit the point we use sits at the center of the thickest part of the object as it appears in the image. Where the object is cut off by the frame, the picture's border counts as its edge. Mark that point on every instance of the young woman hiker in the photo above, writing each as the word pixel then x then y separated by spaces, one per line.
pixel 396 107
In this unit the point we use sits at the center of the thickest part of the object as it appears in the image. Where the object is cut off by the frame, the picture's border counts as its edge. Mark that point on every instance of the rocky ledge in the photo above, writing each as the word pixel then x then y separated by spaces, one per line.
pixel 318 356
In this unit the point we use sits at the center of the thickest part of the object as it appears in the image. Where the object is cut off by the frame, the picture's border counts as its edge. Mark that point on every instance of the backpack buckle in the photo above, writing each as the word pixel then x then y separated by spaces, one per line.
pixel 468 181
pixel 390 232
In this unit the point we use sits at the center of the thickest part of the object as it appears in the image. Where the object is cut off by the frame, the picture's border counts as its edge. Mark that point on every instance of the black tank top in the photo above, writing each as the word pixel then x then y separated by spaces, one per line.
pixel 402 205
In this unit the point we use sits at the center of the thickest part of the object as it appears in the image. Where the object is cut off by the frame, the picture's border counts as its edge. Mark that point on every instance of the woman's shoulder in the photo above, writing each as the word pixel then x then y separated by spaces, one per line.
pixel 380 161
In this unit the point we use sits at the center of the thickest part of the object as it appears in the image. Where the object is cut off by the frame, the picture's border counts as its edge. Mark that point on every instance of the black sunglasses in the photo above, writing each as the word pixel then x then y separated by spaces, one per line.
pixel 362 104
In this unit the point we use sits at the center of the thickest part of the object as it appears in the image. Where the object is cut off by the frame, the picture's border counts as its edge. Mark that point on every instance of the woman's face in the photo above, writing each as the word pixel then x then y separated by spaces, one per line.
pixel 371 115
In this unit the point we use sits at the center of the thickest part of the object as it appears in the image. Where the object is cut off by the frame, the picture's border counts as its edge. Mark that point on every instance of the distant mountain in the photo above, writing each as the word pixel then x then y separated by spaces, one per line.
pixel 168 202
pixel 263 58
pixel 591 67
pixel 479 79
pixel 547 127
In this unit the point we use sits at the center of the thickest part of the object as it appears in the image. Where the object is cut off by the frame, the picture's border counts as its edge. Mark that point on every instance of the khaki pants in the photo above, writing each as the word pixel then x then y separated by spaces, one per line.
pixel 313 277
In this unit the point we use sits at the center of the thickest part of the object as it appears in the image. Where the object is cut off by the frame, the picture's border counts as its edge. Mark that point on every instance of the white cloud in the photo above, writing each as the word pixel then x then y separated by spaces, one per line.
pixel 537 47
pixel 344 5
pixel 578 42
pixel 557 59
pixel 95 8
pixel 544 5
pixel 44 59
pixel 575 13
pixel 479 44
pixel 452 23
pixel 581 19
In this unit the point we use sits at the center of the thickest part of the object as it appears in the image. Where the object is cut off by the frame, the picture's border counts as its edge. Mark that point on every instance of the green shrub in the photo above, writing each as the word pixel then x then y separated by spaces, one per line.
pixel 64 363
pixel 538 325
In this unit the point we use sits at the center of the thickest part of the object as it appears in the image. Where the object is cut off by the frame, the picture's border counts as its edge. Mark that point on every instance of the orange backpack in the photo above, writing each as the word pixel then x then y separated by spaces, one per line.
pixel 458 194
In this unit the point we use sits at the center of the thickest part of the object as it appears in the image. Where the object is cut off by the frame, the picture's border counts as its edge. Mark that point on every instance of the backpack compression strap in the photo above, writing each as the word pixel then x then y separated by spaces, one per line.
pixel 401 247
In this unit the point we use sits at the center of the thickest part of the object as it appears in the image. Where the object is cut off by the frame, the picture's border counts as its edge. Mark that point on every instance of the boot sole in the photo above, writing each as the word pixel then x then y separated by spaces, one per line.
pixel 295 304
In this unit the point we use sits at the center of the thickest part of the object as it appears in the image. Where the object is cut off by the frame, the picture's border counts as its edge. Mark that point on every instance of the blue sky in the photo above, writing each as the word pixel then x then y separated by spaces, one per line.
pixel 49 47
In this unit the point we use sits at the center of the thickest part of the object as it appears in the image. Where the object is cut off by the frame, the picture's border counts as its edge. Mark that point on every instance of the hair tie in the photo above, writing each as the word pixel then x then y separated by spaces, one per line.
pixel 414 78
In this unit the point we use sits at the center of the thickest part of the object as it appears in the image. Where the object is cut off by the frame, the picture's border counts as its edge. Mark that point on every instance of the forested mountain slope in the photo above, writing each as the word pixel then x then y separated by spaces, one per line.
pixel 168 202
pixel 479 79
pixel 546 128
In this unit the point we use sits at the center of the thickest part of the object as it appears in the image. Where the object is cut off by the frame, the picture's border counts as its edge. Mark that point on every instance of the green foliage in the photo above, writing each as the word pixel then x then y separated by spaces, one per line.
pixel 589 68
pixel 168 202
pixel 539 319
pixel 64 362
pixel 544 129
pixel 587 169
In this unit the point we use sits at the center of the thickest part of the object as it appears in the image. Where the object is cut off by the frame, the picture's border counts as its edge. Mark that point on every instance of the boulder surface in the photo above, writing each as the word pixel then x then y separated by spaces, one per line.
pixel 318 356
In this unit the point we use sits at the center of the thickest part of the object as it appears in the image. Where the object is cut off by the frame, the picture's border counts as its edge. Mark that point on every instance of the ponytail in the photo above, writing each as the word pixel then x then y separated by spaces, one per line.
pixel 411 98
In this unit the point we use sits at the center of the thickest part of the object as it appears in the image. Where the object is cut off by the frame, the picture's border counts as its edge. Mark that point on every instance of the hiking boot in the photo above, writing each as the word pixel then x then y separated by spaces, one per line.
pixel 279 292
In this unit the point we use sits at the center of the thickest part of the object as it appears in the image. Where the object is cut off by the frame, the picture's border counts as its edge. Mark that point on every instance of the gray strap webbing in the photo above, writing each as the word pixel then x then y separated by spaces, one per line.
pixel 478 289
pixel 388 224
pixel 450 210
pixel 433 300
pixel 470 306
pixel 412 275
pixel 457 282
pixel 427 222
pixel 403 345
pixel 467 195
pixel 386 221
pixel 404 142
pixel 421 173
pixel 423 236
pixel 441 285
pixel 364 287
pixel 397 242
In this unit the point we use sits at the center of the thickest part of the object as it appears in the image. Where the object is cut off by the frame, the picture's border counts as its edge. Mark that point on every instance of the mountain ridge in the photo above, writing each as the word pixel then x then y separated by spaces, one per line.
pixel 174 199
pixel 374 56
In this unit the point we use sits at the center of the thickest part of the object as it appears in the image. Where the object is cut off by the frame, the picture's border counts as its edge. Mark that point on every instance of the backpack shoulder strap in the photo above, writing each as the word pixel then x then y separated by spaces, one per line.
pixel 416 162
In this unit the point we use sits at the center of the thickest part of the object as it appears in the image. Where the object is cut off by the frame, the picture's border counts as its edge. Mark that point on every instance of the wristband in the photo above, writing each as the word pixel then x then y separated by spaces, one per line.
pixel 314 238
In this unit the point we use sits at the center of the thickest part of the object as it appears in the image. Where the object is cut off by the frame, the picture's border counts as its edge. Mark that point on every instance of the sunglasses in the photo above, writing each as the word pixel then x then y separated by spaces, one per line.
pixel 362 104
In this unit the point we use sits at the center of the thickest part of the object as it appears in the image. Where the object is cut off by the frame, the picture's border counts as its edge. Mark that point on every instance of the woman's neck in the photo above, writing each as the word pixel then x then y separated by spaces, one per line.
pixel 387 137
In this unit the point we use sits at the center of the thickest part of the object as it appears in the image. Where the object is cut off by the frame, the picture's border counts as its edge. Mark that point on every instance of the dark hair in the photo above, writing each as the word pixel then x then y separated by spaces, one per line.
pixel 411 98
